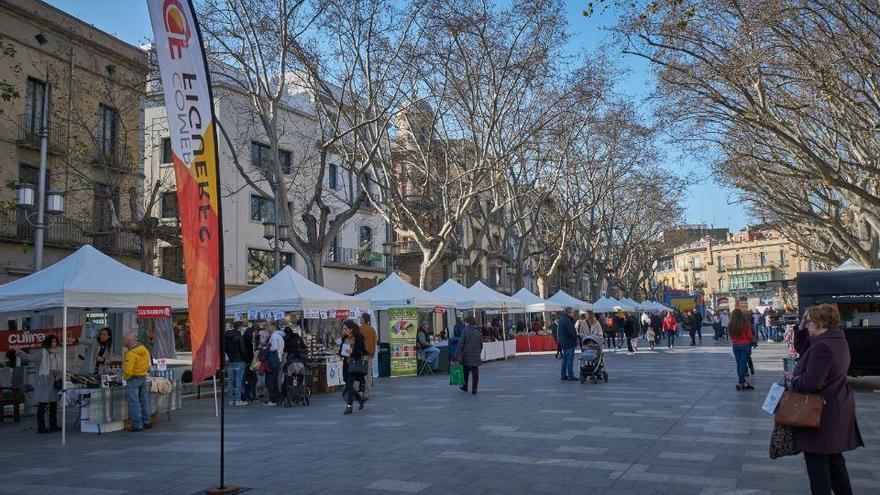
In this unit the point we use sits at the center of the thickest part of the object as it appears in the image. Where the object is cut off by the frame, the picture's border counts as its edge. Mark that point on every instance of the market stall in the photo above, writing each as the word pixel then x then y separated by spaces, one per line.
pixel 465 300
pixel 563 298
pixel 534 304
pixel 606 305
pixel 321 309
pixel 503 348
pixel 87 279
pixel 401 308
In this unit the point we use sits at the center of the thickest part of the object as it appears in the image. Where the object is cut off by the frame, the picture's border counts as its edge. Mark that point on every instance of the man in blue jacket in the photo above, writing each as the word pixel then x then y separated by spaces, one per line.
pixel 567 339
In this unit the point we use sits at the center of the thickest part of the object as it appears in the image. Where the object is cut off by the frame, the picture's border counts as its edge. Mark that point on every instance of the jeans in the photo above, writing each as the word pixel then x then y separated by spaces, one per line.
pixel 670 339
pixel 473 371
pixel 272 387
pixel 742 353
pixel 771 333
pixel 138 396
pixel 431 355
pixel 761 333
pixel 827 472
pixel 234 381
pixel 568 362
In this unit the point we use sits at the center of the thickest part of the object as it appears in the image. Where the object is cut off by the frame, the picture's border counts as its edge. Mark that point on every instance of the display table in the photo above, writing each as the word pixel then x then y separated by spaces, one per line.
pixel 495 350
pixel 103 410
pixel 535 343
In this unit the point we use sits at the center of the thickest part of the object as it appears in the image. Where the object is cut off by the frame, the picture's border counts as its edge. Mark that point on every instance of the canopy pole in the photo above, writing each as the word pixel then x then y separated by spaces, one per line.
pixel 504 334
pixel 529 334
pixel 64 376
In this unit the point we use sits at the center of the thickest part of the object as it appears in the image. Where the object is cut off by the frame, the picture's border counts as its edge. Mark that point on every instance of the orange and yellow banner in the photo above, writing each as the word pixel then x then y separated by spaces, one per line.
pixel 188 101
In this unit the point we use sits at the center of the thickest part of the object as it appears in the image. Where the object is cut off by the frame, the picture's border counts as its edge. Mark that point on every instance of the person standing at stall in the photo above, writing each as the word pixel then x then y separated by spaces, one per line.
pixel 469 352
pixel 249 387
pixel 822 369
pixel 275 345
pixel 370 342
pixel 234 348
pixel 135 366
pixel 96 352
pixel 50 369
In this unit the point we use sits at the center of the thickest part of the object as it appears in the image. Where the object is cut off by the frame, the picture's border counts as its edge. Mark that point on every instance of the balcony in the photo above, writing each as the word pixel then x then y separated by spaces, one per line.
pixel 29 131
pixel 68 233
pixel 356 259
pixel 115 157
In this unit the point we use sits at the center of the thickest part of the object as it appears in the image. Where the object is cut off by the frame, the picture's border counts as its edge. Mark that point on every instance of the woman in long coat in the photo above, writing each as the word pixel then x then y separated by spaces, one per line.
pixel 49 361
pixel 470 350
pixel 96 353
pixel 822 370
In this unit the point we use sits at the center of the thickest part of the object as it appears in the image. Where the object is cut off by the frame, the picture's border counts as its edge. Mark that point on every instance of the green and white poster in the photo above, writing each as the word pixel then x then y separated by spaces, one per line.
pixel 403 324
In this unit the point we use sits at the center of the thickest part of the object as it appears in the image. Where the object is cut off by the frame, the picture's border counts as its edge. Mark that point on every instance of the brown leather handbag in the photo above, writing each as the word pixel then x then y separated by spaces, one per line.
pixel 799 410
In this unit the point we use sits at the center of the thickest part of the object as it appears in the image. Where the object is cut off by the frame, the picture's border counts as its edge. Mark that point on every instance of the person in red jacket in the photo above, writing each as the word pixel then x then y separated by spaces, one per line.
pixel 741 336
pixel 669 323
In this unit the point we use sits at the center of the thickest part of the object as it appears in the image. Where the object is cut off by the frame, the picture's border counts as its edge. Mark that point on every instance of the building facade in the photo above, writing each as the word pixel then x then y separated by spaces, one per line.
pixel 355 257
pixel 94 84
pixel 754 267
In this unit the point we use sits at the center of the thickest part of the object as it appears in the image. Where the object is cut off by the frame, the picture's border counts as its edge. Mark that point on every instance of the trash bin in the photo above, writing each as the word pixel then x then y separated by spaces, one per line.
pixel 384 360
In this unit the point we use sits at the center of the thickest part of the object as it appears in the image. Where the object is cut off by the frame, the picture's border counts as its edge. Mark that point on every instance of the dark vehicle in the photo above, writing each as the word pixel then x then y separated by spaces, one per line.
pixel 857 295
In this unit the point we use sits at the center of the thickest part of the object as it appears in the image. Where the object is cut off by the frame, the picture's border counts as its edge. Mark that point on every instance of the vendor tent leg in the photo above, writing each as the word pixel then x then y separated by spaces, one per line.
pixel 64 377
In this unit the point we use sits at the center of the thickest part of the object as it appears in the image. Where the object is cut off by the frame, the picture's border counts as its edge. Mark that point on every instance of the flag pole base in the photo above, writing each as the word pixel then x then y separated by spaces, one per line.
pixel 225 490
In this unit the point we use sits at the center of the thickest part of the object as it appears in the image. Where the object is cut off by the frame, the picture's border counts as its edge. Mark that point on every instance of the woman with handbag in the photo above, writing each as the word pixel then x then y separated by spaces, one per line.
pixel 822 370
pixel 50 367
pixel 740 331
pixel 354 366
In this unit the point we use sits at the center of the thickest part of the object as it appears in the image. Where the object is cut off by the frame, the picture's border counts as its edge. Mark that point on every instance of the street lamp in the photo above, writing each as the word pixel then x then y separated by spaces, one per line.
pixel 277 233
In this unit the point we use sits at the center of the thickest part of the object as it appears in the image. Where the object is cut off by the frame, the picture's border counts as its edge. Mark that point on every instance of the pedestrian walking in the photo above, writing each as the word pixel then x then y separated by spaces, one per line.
pixel 233 346
pixel 470 349
pixel 822 370
pixel 646 323
pixel 669 324
pixel 698 325
pixel 611 332
pixel 50 370
pixel 353 352
pixel 567 342
pixel 689 326
pixel 370 343
pixel 135 366
pixel 741 335
pixel 629 332
pixel 651 337
pixel 657 327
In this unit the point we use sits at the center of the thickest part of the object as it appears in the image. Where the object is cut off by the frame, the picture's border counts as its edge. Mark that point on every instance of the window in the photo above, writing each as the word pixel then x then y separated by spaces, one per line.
pixel 169 204
pixel 261 264
pixel 332 176
pixel 720 285
pixel 783 258
pixel 172 263
pixel 262 209
pixel 739 261
pixel 720 262
pixel 109 121
pixel 366 238
pixel 166 150
pixel 333 255
pixel 261 158
pixel 31 175
pixel 35 95
pixel 762 256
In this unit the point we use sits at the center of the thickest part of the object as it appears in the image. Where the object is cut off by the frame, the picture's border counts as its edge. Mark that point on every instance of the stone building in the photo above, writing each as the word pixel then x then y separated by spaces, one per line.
pixel 95 121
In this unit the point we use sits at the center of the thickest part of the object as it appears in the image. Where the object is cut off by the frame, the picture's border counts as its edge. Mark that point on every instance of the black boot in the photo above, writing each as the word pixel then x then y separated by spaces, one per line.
pixel 53 417
pixel 41 417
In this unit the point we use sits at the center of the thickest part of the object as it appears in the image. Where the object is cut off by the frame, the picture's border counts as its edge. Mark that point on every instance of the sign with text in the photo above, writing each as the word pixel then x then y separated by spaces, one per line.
pixel 154 311
pixel 402 329
pixel 24 340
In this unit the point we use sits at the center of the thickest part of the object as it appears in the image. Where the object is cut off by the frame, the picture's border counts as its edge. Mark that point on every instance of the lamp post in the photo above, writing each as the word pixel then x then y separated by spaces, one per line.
pixel 277 233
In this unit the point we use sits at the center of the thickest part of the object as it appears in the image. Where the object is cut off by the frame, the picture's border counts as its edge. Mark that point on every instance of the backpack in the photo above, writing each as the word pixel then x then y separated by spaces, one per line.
pixel 269 359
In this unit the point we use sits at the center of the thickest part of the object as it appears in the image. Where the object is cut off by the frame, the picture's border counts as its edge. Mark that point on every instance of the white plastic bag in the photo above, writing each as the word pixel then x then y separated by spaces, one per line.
pixel 772 399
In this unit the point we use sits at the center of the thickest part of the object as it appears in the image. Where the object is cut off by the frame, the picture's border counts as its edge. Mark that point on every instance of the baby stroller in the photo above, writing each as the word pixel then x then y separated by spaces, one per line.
pixel 592 361
pixel 296 388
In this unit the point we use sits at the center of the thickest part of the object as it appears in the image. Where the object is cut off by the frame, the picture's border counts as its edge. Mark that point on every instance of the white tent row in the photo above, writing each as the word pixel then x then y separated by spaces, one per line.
pixel 534 304
pixel 288 290
pixel 394 292
pixel 464 298
pixel 561 297
pixel 87 278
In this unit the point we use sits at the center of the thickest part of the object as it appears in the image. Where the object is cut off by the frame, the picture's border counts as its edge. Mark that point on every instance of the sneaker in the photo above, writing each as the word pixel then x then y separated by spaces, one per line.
pixel 147 426
pixel 241 403
pixel 268 403
pixel 232 403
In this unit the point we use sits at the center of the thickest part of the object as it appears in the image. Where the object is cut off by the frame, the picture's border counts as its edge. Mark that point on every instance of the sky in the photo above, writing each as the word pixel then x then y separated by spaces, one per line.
pixel 705 201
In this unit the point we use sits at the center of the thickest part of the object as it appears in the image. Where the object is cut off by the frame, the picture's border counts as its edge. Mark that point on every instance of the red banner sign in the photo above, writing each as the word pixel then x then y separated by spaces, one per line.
pixel 341 314
pixel 24 340
pixel 154 311
pixel 439 310
pixel 504 311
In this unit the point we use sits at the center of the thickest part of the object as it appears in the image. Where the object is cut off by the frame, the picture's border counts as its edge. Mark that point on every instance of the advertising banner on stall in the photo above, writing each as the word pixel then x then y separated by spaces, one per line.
pixel 403 324
pixel 14 340
pixel 189 103
pixel 153 312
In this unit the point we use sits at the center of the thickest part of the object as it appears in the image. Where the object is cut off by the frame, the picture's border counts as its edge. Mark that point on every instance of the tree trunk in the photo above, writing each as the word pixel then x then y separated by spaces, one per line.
pixel 426 268
pixel 543 286
pixel 315 268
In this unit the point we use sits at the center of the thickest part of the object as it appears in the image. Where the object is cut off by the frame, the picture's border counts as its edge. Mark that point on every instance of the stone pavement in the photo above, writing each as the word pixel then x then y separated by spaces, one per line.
pixel 666 423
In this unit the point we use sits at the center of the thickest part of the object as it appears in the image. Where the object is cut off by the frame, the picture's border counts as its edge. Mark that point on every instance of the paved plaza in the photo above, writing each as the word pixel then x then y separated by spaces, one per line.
pixel 666 423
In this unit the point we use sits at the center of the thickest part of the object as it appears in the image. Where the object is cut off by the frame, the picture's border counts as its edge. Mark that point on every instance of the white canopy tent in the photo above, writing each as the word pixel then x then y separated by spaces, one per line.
pixel 566 300
pixel 606 305
pixel 288 290
pixel 463 297
pixel 507 304
pixel 87 278
pixel 534 304
pixel 631 304
pixel 394 292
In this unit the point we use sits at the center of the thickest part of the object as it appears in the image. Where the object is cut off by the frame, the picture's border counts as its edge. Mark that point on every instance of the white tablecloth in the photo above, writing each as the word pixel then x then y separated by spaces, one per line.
pixel 495 350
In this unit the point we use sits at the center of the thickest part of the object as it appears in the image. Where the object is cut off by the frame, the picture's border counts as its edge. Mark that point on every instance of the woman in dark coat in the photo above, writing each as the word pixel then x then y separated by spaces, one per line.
pixel 351 349
pixel 822 370
pixel 470 350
